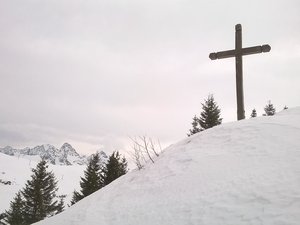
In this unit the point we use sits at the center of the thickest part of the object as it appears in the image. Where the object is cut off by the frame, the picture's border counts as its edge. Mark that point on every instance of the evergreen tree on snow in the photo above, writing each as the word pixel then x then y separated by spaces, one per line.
pixel 253 114
pixel 115 167
pixel 76 197
pixel 15 214
pixel 195 126
pixel 61 204
pixel 285 107
pixel 40 194
pixel 91 181
pixel 210 115
pixel 269 109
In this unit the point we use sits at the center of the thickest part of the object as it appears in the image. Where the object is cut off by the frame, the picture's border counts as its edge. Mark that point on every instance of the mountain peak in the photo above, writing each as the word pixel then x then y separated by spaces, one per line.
pixel 8 147
pixel 66 155
pixel 66 145
pixel 67 148
pixel 8 150
pixel 102 154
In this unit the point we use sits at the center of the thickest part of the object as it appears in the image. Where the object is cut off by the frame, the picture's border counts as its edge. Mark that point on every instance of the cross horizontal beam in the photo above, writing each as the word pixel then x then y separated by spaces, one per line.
pixel 243 51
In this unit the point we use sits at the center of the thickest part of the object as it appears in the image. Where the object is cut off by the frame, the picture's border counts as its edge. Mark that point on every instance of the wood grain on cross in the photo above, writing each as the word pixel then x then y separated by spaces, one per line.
pixel 238 52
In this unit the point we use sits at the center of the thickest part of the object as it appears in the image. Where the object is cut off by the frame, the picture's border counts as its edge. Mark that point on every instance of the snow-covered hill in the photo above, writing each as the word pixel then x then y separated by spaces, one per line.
pixel 66 155
pixel 241 173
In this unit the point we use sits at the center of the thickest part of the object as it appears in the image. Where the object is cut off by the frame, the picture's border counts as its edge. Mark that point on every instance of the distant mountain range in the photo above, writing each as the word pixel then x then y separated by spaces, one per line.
pixel 65 155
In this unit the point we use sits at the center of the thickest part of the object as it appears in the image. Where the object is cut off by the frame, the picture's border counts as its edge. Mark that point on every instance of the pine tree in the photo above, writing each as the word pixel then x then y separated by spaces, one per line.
pixel 61 204
pixel 195 125
pixel 91 181
pixel 210 116
pixel 253 114
pixel 76 197
pixel 269 109
pixel 115 167
pixel 40 194
pixel 15 214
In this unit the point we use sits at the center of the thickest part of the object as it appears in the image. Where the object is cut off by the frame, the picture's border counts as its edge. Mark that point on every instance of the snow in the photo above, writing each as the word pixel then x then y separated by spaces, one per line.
pixel 240 173
pixel 18 171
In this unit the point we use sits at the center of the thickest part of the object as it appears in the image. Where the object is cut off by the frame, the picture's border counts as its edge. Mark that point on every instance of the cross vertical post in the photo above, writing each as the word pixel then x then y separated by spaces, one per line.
pixel 238 53
pixel 239 73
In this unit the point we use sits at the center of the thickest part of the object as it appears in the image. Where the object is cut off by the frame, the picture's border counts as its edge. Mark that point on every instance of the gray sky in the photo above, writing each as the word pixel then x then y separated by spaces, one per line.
pixel 93 72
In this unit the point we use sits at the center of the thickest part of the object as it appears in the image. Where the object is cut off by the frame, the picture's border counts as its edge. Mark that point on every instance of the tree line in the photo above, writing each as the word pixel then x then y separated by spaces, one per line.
pixel 97 177
pixel 269 109
pixel 210 115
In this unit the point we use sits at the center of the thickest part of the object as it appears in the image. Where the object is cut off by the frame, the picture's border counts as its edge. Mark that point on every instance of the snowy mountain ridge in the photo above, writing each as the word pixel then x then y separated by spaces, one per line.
pixel 65 155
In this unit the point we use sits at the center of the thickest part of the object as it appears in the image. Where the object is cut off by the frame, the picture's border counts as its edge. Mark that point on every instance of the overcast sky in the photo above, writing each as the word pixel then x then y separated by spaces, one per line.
pixel 94 72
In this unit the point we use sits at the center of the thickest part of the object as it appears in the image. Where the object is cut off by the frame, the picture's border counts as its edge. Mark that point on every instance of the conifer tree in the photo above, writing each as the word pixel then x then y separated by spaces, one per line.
pixel 253 114
pixel 195 126
pixel 15 214
pixel 210 116
pixel 115 167
pixel 40 194
pixel 91 181
pixel 61 204
pixel 269 109
pixel 76 197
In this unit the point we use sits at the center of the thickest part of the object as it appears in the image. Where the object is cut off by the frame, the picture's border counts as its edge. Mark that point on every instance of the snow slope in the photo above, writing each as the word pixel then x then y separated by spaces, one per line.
pixel 18 171
pixel 241 173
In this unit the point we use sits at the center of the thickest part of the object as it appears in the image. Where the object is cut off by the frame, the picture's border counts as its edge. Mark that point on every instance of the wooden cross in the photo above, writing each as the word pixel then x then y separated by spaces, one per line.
pixel 238 52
